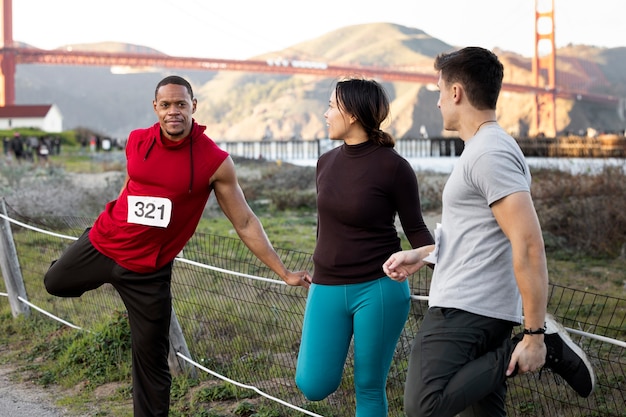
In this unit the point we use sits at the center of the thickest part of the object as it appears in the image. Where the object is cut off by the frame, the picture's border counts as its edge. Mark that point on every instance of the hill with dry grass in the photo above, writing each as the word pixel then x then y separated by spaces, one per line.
pixel 250 106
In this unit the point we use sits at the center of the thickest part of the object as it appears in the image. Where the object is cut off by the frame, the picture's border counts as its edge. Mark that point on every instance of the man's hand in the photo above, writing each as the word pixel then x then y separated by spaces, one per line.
pixel 529 355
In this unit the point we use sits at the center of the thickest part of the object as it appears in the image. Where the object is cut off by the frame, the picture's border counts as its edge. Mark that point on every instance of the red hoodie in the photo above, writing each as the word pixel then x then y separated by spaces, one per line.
pixel 160 207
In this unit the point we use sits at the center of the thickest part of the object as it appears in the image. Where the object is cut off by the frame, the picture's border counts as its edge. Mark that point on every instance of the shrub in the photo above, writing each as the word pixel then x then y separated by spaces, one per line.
pixel 583 212
pixel 286 186
pixel 578 212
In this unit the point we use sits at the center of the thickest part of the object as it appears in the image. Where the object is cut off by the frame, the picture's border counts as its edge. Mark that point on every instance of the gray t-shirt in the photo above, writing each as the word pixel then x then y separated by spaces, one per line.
pixel 474 270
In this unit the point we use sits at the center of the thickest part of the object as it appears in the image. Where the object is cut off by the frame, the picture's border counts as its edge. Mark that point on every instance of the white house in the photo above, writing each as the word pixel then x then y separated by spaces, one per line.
pixel 46 117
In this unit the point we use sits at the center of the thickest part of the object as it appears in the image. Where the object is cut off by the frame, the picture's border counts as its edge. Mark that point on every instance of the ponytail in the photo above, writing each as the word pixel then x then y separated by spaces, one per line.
pixel 382 138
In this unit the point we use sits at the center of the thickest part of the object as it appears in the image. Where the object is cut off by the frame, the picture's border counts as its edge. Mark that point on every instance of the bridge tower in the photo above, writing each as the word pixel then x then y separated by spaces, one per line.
pixel 544 70
pixel 7 58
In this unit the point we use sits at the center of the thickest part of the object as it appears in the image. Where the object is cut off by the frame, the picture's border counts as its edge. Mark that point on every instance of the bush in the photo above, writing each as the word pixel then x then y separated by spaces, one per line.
pixel 585 213
pixel 286 186
pixel 581 213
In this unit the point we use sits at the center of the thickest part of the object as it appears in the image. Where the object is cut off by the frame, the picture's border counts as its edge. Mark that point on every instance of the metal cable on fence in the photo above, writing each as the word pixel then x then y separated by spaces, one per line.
pixel 247 276
pixel 41 310
pixel 251 387
pixel 274 281
pixel 189 360
pixel 36 229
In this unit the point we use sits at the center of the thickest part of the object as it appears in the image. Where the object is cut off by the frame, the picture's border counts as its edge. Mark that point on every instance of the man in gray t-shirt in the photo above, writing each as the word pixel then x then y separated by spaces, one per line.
pixel 491 168
pixel 489 264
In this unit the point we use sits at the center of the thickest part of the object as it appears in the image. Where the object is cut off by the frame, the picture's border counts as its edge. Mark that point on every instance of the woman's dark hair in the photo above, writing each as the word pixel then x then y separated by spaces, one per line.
pixel 368 102
pixel 478 70
pixel 174 79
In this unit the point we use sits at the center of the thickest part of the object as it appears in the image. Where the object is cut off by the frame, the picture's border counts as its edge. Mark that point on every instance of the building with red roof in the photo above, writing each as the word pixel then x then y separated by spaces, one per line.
pixel 46 117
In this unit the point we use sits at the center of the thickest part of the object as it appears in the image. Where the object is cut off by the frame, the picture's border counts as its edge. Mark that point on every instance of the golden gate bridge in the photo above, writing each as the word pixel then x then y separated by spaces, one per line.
pixel 544 89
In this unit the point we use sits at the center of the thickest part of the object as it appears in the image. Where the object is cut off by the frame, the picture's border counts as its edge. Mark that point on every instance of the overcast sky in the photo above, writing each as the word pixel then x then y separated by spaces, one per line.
pixel 241 29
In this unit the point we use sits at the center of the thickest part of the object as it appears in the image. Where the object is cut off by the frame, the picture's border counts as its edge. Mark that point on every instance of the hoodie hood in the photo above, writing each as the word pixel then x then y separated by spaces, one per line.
pixel 157 138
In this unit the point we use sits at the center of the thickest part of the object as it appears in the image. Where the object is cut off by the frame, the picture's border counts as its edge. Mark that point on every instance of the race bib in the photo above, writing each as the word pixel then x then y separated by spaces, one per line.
pixel 149 211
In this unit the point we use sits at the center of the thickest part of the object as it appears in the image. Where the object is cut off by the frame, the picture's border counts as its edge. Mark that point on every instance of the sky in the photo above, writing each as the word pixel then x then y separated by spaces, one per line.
pixel 242 29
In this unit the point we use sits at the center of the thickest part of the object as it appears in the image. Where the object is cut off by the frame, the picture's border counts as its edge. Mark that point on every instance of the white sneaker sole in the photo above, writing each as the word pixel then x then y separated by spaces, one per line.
pixel 552 326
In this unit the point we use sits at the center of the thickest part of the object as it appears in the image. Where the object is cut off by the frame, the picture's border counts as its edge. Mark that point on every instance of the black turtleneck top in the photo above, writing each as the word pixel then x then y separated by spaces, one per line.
pixel 360 189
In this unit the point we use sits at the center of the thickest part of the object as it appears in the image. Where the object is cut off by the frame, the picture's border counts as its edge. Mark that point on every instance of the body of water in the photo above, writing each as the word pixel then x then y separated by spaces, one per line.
pixel 443 164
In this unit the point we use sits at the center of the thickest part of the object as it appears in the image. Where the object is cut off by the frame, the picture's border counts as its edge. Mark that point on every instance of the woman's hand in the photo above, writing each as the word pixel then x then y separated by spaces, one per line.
pixel 299 278
pixel 404 263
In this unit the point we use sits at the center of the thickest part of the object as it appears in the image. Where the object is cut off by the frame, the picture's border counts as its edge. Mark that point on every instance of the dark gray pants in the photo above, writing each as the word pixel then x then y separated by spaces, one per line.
pixel 148 300
pixel 458 365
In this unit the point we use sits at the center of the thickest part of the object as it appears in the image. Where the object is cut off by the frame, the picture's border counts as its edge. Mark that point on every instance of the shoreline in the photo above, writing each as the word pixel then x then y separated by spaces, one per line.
pixel 444 164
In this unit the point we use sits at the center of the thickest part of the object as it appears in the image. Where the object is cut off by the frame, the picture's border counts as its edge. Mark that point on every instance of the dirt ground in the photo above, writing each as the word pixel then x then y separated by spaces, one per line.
pixel 25 399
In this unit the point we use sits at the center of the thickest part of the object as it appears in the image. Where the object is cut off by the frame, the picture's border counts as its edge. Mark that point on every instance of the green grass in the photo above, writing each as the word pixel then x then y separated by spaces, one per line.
pixel 54 355
pixel 286 230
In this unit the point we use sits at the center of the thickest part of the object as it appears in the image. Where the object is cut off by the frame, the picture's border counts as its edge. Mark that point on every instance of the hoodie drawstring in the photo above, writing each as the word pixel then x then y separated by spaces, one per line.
pixel 190 164
pixel 149 149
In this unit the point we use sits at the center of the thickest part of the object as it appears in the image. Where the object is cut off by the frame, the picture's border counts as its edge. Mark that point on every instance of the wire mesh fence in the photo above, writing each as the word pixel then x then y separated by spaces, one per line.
pixel 248 329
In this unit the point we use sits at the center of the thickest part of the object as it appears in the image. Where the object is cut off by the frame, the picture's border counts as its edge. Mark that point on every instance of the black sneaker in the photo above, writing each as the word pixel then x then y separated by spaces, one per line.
pixel 567 359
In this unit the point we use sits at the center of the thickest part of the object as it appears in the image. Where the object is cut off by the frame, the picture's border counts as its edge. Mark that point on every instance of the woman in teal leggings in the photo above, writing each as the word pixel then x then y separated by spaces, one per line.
pixel 375 313
pixel 362 186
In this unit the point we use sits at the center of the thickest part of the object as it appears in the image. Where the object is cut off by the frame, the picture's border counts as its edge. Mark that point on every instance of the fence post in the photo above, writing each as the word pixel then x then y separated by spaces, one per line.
pixel 11 267
pixel 178 344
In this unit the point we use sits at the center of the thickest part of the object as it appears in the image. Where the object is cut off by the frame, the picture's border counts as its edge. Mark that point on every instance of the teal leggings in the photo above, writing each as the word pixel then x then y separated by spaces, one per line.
pixel 374 313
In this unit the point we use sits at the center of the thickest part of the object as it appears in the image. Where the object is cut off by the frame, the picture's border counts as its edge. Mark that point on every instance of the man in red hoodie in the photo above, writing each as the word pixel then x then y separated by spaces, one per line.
pixel 172 167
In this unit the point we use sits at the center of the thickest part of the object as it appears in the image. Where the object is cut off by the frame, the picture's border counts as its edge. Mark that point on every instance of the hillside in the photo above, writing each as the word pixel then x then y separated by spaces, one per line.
pixel 250 106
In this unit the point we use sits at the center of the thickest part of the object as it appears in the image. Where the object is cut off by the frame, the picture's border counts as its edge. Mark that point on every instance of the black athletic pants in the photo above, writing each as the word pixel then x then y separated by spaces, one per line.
pixel 148 300
pixel 458 365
